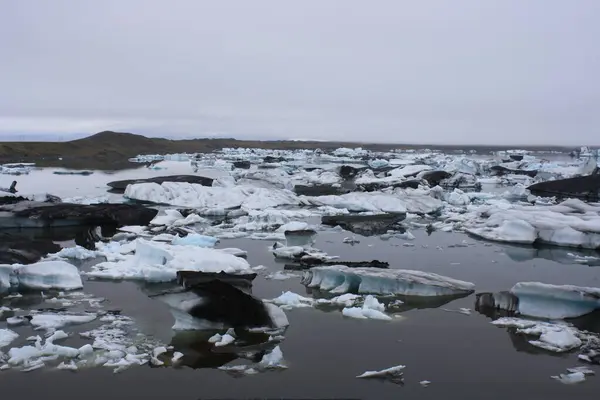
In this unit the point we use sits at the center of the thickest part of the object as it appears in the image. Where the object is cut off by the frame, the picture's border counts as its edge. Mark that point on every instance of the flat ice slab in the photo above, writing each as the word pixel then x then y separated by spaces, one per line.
pixel 159 262
pixel 342 279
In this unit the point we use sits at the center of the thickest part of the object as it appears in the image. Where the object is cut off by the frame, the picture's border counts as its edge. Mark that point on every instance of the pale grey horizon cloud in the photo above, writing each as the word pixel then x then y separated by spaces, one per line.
pixel 443 71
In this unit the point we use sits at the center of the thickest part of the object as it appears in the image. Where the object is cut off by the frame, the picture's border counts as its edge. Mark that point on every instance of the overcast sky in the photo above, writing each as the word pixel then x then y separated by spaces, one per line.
pixel 436 71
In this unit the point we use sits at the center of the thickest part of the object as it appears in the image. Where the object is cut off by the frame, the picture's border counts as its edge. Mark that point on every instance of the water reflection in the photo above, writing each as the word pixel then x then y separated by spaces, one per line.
pixel 393 303
pixel 199 353
pixel 561 255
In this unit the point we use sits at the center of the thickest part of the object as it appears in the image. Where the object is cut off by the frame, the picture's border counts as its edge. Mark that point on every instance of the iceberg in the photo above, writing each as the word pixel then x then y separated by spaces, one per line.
pixel 542 300
pixel 197 196
pixel 159 262
pixel 342 279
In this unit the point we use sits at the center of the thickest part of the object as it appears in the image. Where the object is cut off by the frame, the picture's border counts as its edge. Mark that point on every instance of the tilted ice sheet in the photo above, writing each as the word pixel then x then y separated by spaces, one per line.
pixel 159 262
pixel 342 279
pixel 555 301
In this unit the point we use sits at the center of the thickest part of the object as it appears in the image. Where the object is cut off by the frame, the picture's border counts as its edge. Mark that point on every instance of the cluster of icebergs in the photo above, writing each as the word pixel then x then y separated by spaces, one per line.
pixel 260 201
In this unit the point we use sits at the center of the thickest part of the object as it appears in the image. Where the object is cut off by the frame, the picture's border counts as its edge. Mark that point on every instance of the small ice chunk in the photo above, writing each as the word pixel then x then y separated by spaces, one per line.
pixel 176 356
pixel 52 322
pixel 225 340
pixel 569 379
pixel 290 300
pixel 215 338
pixel 424 383
pixel 273 359
pixel 7 337
pixel 280 276
pixel 371 309
pixel 392 372
pixel 71 366
pixel 195 239
pixel 16 320
pixel 583 369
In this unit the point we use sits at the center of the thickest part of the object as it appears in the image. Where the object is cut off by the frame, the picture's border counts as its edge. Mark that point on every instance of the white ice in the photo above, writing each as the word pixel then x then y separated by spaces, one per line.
pixel 289 300
pixel 198 196
pixel 556 337
pixel 342 279
pixel 571 223
pixel 49 275
pixel 43 275
pixel 159 262
pixel 371 309
pixel 7 336
pixel 392 372
pixel 570 379
pixel 195 239
pixel 51 321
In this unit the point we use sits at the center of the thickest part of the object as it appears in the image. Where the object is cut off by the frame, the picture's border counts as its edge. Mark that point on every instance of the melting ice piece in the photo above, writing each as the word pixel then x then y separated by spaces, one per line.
pixel 393 373
pixel 7 336
pixel 569 379
pixel 555 337
pixel 342 279
pixel 290 300
pixel 52 322
pixel 371 309
pixel 543 300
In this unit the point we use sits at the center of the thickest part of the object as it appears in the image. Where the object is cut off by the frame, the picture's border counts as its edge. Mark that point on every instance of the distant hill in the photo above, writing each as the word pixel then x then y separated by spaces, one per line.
pixel 111 150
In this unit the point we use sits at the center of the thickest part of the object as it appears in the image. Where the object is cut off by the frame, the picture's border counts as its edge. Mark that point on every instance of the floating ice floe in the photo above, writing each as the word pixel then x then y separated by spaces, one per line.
pixel 43 275
pixel 571 223
pixel 371 309
pixel 393 374
pixel 342 279
pixel 159 262
pixel 543 300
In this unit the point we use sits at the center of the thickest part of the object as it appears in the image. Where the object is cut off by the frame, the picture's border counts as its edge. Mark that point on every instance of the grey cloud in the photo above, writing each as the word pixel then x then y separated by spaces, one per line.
pixel 464 71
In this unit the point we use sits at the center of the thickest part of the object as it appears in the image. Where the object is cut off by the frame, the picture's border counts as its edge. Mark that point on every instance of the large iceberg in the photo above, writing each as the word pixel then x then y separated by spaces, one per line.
pixel 542 300
pixel 342 279
pixel 571 223
pixel 197 196
pixel 159 262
